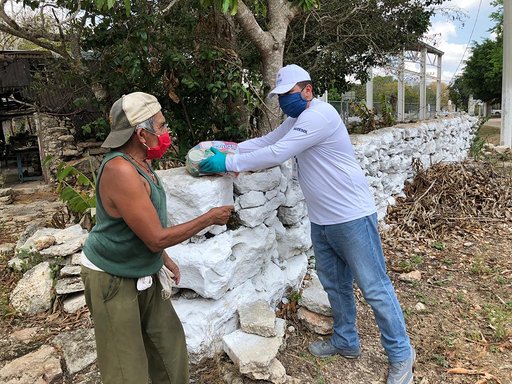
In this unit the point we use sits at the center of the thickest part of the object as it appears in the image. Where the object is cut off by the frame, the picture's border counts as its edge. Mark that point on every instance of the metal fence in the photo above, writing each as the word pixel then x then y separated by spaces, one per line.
pixel 411 110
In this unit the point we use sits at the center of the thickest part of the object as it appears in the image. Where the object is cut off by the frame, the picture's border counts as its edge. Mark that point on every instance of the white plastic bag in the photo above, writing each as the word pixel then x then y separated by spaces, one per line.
pixel 202 151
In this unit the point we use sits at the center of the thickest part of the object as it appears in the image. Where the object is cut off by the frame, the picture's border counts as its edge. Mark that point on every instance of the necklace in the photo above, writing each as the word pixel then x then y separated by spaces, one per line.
pixel 145 167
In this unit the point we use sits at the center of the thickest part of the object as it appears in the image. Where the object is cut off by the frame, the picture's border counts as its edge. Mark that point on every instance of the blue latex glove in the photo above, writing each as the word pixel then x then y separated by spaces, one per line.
pixel 215 163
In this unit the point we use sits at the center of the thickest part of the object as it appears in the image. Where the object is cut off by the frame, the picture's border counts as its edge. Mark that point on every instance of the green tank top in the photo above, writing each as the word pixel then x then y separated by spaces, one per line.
pixel 112 246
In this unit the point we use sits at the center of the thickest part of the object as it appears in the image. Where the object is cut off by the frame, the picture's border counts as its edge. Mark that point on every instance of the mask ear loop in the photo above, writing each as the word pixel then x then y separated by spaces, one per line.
pixel 140 136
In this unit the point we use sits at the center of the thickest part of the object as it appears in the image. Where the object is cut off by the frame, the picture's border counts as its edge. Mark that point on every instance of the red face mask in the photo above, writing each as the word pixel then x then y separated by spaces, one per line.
pixel 164 142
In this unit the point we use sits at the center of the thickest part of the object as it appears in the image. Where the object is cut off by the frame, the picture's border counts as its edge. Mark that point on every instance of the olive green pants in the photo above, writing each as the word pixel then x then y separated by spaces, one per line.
pixel 138 334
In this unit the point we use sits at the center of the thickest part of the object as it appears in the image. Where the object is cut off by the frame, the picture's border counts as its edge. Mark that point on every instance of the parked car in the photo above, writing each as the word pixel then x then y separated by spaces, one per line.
pixel 496 112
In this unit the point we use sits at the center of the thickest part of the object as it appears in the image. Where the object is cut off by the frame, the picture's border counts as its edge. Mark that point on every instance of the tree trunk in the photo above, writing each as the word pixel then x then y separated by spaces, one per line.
pixel 270 44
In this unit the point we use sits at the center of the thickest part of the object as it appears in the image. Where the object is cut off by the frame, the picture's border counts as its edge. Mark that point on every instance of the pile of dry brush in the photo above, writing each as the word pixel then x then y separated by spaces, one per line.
pixel 461 196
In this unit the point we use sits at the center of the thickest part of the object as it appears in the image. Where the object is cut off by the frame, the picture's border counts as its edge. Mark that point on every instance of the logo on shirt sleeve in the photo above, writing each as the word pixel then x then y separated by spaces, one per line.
pixel 300 130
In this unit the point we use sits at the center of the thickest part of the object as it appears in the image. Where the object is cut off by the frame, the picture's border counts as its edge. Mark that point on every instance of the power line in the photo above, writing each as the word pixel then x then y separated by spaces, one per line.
pixel 469 41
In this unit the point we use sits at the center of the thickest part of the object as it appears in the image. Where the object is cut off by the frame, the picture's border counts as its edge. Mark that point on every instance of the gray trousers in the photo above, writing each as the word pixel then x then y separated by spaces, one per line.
pixel 138 334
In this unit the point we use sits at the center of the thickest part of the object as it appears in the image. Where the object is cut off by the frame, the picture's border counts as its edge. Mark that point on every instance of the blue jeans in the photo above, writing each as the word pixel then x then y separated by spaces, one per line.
pixel 352 251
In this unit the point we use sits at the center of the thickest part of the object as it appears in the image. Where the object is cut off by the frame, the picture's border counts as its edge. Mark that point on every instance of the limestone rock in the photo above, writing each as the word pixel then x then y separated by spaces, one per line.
pixel 69 285
pixel 73 303
pixel 33 293
pixel 410 277
pixel 79 348
pixel 258 319
pixel 314 298
pixel 253 353
pixel 315 322
pixel 38 367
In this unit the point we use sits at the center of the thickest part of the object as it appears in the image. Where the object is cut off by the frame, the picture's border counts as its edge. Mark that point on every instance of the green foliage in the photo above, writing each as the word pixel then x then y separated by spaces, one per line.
pixel 201 84
pixel 367 116
pixel 439 245
pixel 499 318
pixel 351 36
pixel 477 146
pixel 388 115
pixel 411 264
pixel 98 129
pixel 206 74
pixel 483 71
pixel 459 92
pixel 482 74
pixel 29 259
pixel 75 189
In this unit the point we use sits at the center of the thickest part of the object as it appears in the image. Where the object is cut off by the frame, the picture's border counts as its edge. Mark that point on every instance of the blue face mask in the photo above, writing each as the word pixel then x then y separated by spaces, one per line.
pixel 293 104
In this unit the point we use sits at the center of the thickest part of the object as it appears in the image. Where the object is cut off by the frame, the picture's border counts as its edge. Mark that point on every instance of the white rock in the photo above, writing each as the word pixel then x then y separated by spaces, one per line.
pixel 252 217
pixel 189 197
pixel 315 298
pixel 205 267
pixel 257 318
pixel 74 303
pixel 293 215
pixel 79 348
pixel 296 240
pixel 293 194
pixel 206 321
pixel 33 293
pixel 253 353
pixel 253 199
pixel 263 181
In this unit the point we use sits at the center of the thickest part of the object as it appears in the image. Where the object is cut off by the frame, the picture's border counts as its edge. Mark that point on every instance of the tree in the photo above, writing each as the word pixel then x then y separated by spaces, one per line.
pixel 212 62
pixel 483 71
pixel 330 38
pixel 459 93
pixel 482 74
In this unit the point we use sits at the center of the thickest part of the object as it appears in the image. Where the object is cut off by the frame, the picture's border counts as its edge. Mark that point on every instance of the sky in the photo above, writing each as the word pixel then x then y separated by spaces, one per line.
pixel 452 37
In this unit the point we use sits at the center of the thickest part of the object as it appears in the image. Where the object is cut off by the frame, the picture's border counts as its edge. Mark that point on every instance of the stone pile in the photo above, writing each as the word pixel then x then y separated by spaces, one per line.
pixel 315 311
pixel 43 365
pixel 260 255
pixel 43 252
pixel 387 155
pixel 253 348
pixel 6 196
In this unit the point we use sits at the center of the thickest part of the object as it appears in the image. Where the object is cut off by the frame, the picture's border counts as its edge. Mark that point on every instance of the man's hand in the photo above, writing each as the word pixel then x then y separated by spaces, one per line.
pixel 220 215
pixel 173 267
pixel 215 163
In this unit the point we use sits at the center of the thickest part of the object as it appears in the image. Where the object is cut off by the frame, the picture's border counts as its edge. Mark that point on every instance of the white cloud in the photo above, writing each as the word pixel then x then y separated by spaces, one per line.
pixel 464 4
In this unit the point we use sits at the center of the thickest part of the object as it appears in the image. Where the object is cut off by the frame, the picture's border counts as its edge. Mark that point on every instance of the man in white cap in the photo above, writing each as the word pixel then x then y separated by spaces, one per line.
pixel 343 217
pixel 125 269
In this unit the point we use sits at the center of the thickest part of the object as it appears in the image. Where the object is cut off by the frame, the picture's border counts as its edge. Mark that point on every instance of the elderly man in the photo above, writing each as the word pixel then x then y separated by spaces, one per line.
pixel 343 217
pixel 125 269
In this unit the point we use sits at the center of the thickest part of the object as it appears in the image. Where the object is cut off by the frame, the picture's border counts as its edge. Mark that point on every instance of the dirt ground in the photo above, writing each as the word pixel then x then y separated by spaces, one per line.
pixel 459 314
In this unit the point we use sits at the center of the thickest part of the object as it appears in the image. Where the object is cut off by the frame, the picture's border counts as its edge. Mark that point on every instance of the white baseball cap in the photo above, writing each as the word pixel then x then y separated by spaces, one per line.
pixel 287 77
pixel 128 112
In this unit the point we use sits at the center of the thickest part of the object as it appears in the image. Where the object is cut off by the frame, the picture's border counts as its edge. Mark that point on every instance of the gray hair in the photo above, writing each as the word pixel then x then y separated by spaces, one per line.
pixel 147 125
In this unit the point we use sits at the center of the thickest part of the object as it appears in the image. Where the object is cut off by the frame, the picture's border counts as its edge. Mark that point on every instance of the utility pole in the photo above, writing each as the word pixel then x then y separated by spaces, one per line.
pixel 506 94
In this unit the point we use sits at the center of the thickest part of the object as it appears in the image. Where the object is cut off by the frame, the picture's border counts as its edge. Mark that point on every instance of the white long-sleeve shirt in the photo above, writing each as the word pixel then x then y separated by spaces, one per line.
pixel 333 183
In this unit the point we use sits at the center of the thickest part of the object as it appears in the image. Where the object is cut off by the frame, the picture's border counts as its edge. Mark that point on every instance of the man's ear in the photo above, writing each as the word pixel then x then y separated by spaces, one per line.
pixel 140 136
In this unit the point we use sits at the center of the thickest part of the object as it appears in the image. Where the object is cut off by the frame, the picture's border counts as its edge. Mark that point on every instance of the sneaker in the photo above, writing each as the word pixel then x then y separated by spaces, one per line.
pixel 401 372
pixel 324 348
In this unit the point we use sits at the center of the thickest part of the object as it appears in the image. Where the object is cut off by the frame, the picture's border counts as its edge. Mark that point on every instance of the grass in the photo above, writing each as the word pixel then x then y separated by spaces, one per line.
pixel 489 134
pixel 500 319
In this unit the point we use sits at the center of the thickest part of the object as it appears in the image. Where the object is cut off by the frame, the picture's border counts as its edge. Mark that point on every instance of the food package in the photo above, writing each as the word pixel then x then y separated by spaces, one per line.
pixel 202 151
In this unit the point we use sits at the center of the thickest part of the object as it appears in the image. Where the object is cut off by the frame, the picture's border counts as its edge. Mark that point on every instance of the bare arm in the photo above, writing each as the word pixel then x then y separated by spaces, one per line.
pixel 130 200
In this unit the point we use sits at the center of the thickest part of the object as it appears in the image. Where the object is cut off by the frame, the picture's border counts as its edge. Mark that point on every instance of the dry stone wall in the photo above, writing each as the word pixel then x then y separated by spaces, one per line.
pixel 387 155
pixel 263 252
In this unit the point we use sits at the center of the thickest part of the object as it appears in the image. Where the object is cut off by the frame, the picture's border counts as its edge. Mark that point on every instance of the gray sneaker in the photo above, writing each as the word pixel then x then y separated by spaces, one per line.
pixel 324 348
pixel 401 372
